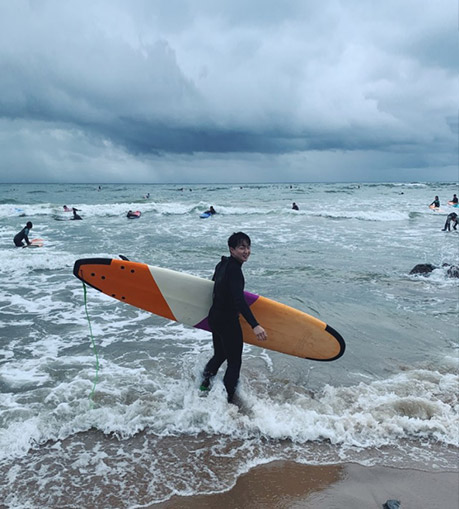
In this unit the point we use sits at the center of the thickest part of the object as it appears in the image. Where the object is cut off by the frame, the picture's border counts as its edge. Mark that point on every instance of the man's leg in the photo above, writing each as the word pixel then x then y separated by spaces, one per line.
pixel 233 344
pixel 215 362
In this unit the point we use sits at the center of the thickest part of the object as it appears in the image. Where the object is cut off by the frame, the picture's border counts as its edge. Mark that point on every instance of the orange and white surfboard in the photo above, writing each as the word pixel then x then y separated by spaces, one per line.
pixel 187 299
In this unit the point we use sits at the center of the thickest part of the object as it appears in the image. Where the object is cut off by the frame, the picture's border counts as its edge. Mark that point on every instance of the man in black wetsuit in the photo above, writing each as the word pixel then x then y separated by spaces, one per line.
pixel 228 302
pixel 211 211
pixel 75 215
pixel 451 217
pixel 435 203
pixel 23 235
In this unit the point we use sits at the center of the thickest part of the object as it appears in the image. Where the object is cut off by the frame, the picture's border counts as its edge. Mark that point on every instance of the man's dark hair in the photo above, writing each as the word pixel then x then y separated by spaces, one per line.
pixel 29 224
pixel 237 239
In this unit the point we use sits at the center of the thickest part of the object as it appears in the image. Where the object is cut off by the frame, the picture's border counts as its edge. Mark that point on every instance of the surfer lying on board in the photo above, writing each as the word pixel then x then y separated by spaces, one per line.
pixel 228 302
pixel 451 217
pixel 211 211
pixel 67 209
pixel 23 235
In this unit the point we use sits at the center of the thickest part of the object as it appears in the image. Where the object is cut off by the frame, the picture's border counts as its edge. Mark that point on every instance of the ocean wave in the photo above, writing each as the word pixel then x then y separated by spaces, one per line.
pixel 87 211
pixel 373 215
pixel 416 404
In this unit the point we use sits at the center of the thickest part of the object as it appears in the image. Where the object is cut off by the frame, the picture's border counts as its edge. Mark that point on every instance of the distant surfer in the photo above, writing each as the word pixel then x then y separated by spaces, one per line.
pixel 75 215
pixel 452 218
pixel 435 204
pixel 67 209
pixel 454 200
pixel 23 235
pixel 211 211
pixel 228 302
pixel 133 215
pixel 295 206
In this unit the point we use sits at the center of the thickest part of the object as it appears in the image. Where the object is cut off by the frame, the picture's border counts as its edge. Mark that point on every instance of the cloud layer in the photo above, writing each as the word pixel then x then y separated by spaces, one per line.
pixel 185 91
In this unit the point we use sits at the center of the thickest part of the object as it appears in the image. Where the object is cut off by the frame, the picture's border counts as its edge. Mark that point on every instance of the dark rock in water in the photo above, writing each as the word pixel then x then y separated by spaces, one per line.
pixel 392 504
pixel 453 271
pixel 422 268
pixel 427 268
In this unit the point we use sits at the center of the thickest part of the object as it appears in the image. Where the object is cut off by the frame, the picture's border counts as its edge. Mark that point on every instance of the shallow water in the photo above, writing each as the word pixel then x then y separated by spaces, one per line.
pixel 344 257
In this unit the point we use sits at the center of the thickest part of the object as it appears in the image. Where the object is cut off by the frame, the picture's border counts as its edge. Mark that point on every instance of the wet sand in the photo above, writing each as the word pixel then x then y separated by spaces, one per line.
pixel 288 485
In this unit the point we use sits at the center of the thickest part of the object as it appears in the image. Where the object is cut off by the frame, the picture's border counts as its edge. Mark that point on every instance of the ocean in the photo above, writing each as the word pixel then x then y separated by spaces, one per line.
pixel 146 434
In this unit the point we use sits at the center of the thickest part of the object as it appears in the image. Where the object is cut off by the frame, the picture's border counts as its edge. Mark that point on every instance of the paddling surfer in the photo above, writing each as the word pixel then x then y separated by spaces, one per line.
pixel 211 211
pixel 228 302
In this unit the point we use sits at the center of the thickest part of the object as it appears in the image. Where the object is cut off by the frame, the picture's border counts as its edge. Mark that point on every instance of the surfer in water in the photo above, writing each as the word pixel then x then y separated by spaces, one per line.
pixel 451 218
pixel 75 215
pixel 295 206
pixel 211 211
pixel 454 200
pixel 23 235
pixel 67 209
pixel 435 203
pixel 228 302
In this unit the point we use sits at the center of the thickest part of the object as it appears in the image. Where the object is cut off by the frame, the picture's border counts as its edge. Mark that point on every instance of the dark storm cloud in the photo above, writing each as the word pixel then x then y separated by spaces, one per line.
pixel 140 80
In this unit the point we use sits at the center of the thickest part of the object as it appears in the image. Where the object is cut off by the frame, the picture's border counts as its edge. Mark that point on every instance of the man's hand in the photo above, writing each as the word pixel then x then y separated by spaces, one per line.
pixel 260 333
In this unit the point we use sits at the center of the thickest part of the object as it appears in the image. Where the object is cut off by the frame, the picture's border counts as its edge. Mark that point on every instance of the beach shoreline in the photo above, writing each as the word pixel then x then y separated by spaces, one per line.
pixel 290 485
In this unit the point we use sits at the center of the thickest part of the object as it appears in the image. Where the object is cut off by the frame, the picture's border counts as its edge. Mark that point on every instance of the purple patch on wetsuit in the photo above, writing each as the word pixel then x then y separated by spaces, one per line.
pixel 250 298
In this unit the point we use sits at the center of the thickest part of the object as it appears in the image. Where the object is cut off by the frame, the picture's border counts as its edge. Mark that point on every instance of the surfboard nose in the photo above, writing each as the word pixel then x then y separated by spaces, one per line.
pixel 125 281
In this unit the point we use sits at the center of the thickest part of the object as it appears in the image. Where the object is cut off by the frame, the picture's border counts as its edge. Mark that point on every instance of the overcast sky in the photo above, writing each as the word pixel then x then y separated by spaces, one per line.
pixel 228 91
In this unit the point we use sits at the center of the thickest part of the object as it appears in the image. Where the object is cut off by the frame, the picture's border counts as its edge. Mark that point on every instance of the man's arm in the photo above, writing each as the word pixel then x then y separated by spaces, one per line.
pixel 236 280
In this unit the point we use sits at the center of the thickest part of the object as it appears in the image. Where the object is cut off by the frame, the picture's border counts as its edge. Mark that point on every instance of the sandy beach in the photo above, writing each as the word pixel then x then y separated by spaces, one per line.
pixel 288 485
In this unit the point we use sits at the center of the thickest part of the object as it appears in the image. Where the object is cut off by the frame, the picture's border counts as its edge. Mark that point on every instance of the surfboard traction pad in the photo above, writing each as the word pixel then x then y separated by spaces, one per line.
pixel 187 299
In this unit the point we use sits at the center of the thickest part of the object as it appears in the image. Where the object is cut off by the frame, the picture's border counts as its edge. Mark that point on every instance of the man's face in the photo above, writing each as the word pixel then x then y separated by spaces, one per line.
pixel 241 252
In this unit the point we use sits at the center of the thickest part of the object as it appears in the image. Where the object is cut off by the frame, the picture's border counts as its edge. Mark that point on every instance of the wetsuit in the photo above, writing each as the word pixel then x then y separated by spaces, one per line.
pixel 435 203
pixel 451 217
pixel 228 302
pixel 22 235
